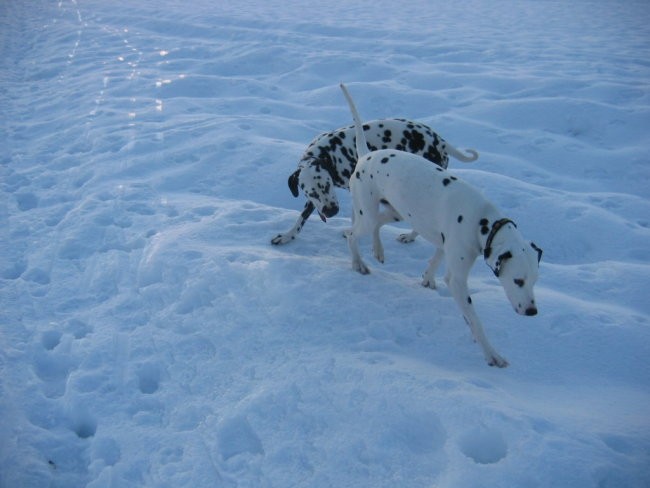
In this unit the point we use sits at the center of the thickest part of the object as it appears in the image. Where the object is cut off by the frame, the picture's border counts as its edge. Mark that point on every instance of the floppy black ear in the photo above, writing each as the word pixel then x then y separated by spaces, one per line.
pixel 539 251
pixel 293 183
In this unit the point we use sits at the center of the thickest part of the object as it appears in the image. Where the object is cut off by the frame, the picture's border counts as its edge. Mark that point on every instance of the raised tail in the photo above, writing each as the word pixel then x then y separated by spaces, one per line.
pixel 362 146
pixel 457 154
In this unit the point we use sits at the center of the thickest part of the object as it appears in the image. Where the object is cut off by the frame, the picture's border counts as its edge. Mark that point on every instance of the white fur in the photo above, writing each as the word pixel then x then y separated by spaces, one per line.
pixel 447 212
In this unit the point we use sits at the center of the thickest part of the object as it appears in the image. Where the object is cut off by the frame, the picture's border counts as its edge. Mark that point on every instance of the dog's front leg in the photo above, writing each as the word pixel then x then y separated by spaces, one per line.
pixel 429 277
pixel 295 230
pixel 460 292
pixel 357 263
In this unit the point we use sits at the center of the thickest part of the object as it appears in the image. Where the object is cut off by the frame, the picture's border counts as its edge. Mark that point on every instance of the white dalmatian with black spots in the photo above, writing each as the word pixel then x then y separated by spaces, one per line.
pixel 329 161
pixel 451 214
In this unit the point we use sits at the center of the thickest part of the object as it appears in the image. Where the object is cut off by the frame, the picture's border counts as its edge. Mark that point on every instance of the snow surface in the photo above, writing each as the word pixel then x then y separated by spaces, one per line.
pixel 151 334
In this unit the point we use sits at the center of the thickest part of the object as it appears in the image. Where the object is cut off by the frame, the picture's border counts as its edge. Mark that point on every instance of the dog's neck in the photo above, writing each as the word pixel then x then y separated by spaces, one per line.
pixel 496 226
pixel 323 162
pixel 491 237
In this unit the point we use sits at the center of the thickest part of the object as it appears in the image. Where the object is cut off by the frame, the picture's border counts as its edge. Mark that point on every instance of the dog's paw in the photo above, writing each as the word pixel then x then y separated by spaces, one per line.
pixel 360 267
pixel 407 238
pixel 497 361
pixel 282 239
pixel 379 254
pixel 429 283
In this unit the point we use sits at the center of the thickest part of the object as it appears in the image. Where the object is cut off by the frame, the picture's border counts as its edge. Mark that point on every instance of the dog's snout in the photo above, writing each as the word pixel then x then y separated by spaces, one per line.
pixel 330 210
pixel 531 311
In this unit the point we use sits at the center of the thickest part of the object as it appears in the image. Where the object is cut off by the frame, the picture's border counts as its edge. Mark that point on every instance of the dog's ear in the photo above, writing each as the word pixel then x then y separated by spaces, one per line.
pixel 293 183
pixel 539 251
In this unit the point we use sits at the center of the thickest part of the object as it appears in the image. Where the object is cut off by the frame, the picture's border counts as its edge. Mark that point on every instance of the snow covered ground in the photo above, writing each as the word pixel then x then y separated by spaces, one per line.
pixel 150 334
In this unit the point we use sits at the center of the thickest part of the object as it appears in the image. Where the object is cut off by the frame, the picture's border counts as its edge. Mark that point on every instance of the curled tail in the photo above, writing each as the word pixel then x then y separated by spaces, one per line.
pixel 362 146
pixel 457 154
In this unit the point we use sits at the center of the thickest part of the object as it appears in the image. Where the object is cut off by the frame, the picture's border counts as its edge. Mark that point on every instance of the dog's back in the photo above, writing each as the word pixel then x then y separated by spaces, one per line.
pixel 400 134
pixel 430 198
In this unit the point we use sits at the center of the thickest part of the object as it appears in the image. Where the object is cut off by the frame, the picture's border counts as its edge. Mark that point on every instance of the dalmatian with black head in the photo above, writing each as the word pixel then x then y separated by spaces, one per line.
pixel 330 159
pixel 451 214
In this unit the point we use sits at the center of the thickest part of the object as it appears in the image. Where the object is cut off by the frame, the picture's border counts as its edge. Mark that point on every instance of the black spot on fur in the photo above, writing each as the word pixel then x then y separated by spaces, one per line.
pixel 415 139
pixel 469 300
pixel 446 181
pixel 460 219
pixel 497 266
pixel 293 183
pixel 384 160
pixel 433 155
pixel 539 251
pixel 443 237
pixel 352 159
pixel 505 255
pixel 335 141
pixel 484 226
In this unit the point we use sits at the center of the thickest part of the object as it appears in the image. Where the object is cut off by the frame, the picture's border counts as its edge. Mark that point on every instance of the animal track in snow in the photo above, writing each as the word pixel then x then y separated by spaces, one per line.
pixel 236 436
pixel 148 378
pixel 483 445
pixel 50 339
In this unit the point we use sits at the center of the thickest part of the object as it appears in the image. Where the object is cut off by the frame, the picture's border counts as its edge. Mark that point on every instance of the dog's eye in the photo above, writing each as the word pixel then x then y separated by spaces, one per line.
pixel 519 283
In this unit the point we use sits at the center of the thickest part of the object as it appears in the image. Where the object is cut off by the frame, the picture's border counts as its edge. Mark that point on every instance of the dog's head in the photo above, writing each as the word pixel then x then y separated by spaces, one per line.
pixel 517 267
pixel 314 179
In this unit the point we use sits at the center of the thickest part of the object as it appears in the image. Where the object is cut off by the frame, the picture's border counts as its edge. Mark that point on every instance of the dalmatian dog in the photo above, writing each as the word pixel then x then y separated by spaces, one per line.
pixel 451 214
pixel 330 158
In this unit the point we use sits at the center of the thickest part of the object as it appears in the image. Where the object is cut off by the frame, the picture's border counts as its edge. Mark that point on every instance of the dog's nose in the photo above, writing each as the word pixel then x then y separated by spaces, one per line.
pixel 330 210
pixel 531 311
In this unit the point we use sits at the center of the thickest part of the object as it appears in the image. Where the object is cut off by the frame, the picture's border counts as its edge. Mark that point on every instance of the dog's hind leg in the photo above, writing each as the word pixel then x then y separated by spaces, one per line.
pixel 297 227
pixel 367 220
pixel 460 292
pixel 383 218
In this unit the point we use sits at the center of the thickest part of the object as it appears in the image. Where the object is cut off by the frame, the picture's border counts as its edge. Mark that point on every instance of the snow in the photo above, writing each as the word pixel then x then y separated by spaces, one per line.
pixel 151 334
